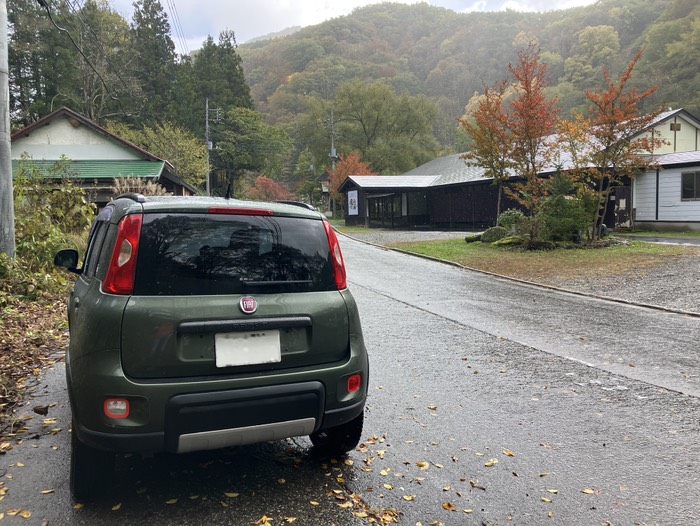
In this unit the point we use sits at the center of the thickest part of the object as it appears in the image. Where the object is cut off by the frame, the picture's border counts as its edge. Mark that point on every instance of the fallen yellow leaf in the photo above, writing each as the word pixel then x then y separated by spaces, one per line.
pixel 78 506
pixel 409 497
pixel 116 507
pixel 231 495
pixel 422 465
pixel 588 491
pixel 491 462
pixel 468 511
pixel 388 486
pixel 546 499
pixel 47 491
pixel 171 501
pixel 449 507
pixel 553 491
pixel 313 503
pixel 346 504
pixel 508 453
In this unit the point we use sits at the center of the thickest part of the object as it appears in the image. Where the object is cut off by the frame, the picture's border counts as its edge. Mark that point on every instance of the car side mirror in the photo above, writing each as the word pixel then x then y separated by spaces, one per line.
pixel 68 259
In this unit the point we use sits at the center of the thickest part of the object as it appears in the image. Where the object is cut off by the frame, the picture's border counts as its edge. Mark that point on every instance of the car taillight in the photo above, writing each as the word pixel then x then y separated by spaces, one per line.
pixel 337 257
pixel 122 266
pixel 354 383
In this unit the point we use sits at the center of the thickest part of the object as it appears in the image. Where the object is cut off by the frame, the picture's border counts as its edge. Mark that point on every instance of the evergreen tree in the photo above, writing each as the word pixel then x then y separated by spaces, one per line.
pixel 154 59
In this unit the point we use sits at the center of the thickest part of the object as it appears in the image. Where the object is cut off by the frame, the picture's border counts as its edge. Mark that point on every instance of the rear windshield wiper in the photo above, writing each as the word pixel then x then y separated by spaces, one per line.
pixel 277 282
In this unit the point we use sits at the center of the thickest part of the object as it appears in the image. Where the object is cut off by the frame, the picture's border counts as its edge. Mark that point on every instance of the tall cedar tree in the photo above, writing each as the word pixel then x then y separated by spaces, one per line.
pixel 487 125
pixel 618 138
pixel 532 119
pixel 154 54
pixel 43 64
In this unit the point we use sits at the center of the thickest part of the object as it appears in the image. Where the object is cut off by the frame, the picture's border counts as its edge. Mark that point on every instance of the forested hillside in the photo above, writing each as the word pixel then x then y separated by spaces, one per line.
pixel 386 82
pixel 433 51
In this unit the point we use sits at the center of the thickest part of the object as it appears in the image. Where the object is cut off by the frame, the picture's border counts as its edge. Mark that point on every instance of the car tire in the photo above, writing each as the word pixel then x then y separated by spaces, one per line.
pixel 339 440
pixel 90 469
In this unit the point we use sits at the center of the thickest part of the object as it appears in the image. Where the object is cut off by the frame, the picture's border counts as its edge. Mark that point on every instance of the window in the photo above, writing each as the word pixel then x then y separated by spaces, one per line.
pixel 96 237
pixel 675 126
pixel 690 185
pixel 206 254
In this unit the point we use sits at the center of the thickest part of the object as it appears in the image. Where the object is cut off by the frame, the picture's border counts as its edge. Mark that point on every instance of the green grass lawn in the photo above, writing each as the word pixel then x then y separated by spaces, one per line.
pixel 561 263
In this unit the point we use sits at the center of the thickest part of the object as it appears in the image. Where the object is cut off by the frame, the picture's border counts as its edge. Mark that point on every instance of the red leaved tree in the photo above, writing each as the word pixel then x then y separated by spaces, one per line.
pixel 266 189
pixel 347 165
pixel 607 148
pixel 619 133
pixel 487 123
pixel 532 120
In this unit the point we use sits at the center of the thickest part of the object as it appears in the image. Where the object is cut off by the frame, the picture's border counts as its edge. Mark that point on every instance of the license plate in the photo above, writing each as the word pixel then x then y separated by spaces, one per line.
pixel 247 348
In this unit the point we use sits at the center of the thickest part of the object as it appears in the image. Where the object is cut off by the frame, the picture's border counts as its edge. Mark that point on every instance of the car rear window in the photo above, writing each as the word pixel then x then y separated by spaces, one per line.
pixel 205 254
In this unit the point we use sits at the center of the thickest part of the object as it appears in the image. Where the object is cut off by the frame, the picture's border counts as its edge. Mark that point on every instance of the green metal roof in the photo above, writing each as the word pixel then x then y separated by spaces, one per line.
pixel 96 169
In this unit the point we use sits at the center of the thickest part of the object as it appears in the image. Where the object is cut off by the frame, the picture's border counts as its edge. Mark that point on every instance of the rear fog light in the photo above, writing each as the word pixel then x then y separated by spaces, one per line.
pixel 116 407
pixel 354 383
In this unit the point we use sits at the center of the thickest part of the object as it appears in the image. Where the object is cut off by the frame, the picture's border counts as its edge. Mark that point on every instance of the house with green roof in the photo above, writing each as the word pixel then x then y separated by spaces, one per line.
pixel 96 157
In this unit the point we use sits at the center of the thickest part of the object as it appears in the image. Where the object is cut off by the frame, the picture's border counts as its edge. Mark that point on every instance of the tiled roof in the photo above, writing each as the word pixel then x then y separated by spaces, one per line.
pixel 450 169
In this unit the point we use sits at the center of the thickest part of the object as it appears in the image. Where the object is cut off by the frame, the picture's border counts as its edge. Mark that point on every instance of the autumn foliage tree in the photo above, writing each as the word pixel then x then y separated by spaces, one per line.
pixel 532 121
pixel 266 189
pixel 347 165
pixel 510 128
pixel 487 123
pixel 607 148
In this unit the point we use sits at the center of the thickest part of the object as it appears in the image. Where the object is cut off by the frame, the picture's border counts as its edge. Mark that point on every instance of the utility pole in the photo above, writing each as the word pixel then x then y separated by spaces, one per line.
pixel 333 155
pixel 217 112
pixel 7 209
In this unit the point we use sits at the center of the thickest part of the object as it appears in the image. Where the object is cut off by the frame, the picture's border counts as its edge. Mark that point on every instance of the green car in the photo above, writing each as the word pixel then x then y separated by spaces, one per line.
pixel 200 323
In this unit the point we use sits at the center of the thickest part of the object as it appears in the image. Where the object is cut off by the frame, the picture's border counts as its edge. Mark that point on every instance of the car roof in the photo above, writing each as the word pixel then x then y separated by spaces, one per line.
pixel 134 203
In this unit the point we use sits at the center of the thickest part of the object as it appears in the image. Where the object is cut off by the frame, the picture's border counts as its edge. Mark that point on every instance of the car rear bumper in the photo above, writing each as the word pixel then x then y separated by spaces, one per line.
pixel 201 415
pixel 206 432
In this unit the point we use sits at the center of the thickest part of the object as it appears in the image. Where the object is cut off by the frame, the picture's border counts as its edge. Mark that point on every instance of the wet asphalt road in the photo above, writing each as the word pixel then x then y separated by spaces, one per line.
pixel 491 402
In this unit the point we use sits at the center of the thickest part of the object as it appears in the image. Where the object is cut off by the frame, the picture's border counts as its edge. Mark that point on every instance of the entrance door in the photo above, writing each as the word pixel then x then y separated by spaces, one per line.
pixel 623 206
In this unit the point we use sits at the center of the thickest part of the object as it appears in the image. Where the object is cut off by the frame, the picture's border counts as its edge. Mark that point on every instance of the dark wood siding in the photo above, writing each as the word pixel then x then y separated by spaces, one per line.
pixel 471 206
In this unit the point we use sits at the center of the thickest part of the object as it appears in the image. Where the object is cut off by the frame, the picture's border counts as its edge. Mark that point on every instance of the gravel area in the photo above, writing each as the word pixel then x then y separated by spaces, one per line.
pixel 671 285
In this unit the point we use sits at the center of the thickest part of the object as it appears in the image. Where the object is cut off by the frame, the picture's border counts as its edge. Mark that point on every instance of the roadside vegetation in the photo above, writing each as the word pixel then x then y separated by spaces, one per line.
pixel 33 325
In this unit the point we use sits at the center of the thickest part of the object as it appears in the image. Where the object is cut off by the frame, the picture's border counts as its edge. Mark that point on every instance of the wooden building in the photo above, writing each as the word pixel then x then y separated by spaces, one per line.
pixel 95 157
pixel 449 193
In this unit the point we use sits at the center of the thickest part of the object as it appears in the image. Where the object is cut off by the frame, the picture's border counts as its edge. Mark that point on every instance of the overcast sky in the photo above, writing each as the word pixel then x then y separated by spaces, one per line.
pixel 196 19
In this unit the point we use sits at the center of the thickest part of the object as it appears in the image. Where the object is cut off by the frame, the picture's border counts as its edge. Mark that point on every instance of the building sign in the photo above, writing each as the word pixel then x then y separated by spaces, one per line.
pixel 353 207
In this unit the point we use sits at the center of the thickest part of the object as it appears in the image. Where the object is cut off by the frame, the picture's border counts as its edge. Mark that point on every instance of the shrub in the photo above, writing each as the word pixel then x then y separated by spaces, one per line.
pixel 493 234
pixel 511 241
pixel 47 216
pixel 471 238
pixel 538 244
pixel 510 219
